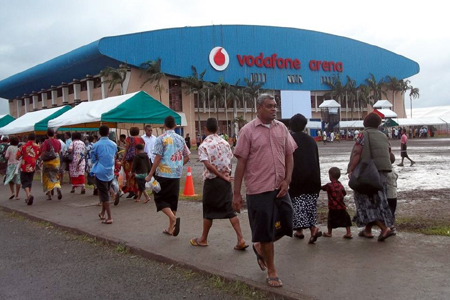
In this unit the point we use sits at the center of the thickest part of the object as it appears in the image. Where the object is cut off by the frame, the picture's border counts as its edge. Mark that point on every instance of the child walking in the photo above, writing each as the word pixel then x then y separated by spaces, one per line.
pixel 337 214
pixel 392 190
pixel 141 167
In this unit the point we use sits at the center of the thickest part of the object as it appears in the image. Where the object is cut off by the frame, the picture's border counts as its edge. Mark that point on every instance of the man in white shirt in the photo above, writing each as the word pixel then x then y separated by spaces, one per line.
pixel 149 140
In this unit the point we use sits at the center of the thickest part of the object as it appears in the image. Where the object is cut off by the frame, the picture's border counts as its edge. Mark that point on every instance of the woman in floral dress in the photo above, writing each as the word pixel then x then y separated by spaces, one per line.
pixel 78 165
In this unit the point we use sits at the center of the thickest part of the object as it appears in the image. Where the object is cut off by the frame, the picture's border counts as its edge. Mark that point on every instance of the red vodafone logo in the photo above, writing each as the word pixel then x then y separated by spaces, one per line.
pixel 219 59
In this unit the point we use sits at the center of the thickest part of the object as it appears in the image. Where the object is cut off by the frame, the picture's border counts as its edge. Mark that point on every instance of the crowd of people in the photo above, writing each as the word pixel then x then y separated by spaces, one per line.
pixel 281 170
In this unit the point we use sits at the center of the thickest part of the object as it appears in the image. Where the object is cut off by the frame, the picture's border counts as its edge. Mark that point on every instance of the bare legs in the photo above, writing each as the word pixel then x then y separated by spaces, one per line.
pixel 267 251
pixel 16 193
pixel 172 218
pixel 106 209
pixel 207 224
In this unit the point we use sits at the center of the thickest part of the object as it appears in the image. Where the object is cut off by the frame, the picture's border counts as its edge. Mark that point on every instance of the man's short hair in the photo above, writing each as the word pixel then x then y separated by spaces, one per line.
pixel 148 126
pixel 212 125
pixel 50 132
pixel 169 122
pixel 103 130
pixel 140 147
pixel 31 136
pixel 298 123
pixel 123 136
pixel 91 138
pixel 68 134
pixel 14 140
pixel 76 135
pixel 263 97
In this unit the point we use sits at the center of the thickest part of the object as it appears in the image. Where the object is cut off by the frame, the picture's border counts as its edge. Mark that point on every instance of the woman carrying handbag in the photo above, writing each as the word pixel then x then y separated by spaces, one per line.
pixel 372 207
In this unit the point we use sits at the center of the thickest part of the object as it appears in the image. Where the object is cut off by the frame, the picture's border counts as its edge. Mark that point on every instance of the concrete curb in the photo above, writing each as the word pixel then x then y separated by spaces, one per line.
pixel 111 241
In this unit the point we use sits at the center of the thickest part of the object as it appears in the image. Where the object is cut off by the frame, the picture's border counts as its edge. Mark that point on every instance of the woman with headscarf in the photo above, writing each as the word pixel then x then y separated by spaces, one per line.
pixel 50 167
pixel 127 162
pixel 305 185
pixel 372 209
pixel 77 167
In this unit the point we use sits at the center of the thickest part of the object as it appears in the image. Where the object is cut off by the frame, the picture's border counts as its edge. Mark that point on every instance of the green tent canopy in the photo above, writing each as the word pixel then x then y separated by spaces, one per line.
pixel 5 120
pixel 34 121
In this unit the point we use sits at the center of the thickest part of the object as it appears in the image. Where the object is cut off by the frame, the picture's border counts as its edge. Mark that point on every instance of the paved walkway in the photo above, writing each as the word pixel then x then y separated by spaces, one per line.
pixel 407 266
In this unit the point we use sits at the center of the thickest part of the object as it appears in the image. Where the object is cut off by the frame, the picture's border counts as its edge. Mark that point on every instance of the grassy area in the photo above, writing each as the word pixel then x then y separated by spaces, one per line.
pixel 425 226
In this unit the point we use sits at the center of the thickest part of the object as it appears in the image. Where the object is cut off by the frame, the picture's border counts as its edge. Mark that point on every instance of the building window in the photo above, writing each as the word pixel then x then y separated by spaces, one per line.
pixel 49 95
pixel 71 89
pixel 39 97
pixel 59 92
pixel 97 82
pixel 83 86
pixel 175 95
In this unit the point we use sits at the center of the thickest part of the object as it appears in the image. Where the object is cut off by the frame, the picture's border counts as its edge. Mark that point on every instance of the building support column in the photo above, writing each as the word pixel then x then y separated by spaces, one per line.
pixel 104 92
pixel 90 87
pixel 27 100
pixel 76 91
pixel 65 93
pixel 54 96
pixel 35 100
pixel 44 98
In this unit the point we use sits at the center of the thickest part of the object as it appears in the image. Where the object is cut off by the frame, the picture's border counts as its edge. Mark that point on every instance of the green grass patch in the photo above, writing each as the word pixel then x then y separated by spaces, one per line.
pixel 236 288
pixel 425 226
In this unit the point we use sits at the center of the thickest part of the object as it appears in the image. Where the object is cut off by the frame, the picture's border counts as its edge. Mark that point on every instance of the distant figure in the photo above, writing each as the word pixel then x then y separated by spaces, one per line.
pixel 392 190
pixel 29 153
pixel 102 156
pixel 12 171
pixel 337 212
pixel 141 167
pixel 188 141
pixel 403 145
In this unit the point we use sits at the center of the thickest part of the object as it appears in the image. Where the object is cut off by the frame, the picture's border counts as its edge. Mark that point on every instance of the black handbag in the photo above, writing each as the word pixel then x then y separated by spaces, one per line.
pixel 68 157
pixel 50 154
pixel 365 178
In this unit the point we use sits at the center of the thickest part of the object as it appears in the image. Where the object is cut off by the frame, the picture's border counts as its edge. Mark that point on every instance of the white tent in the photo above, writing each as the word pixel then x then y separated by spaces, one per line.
pixel 420 121
pixel 135 108
pixel 387 113
pixel 383 104
pixel 33 121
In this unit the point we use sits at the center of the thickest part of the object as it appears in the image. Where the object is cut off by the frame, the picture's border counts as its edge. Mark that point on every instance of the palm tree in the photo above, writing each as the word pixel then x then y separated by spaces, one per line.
pixel 234 96
pixel 196 86
pixel 376 88
pixel 252 91
pixel 405 87
pixel 395 86
pixel 114 77
pixel 363 96
pixel 218 91
pixel 153 70
pixel 413 94
pixel 351 91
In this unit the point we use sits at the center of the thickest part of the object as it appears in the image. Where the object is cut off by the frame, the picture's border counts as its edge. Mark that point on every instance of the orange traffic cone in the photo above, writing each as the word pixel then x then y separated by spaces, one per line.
pixel 189 185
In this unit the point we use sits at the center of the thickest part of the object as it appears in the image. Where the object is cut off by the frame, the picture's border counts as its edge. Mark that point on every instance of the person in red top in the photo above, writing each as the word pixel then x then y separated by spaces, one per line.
pixel 337 214
pixel 127 162
pixel 50 169
pixel 403 152
pixel 29 154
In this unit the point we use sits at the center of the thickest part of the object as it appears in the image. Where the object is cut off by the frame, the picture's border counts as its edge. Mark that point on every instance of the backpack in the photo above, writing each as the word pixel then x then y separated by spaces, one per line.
pixel 3 148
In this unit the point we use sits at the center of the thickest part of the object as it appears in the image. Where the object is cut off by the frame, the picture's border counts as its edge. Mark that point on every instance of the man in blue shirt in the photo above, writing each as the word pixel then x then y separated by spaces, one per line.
pixel 102 157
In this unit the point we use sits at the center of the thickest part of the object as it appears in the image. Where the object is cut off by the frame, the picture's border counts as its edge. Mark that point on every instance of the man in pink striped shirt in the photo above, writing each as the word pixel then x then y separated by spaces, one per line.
pixel 265 160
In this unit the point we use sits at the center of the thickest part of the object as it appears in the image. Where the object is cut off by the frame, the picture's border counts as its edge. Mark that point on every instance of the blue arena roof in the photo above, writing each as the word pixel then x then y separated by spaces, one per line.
pixel 287 52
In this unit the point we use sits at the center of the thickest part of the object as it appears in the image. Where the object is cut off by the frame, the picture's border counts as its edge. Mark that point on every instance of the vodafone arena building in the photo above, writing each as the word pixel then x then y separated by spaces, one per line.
pixel 292 64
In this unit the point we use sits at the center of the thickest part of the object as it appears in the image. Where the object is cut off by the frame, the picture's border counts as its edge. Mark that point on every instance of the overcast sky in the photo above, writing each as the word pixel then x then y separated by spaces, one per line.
pixel 34 31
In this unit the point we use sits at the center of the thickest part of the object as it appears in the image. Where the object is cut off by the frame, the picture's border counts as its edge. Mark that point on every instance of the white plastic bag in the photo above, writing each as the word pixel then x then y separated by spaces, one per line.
pixel 153 185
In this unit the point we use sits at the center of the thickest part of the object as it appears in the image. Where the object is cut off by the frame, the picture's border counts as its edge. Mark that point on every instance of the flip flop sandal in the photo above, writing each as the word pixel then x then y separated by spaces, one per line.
pixel 101 217
pixel 381 238
pixel 59 194
pixel 194 242
pixel 176 229
pixel 166 232
pixel 348 237
pixel 314 238
pixel 363 234
pixel 107 222
pixel 11 197
pixel 326 234
pixel 30 200
pixel 241 247
pixel 269 281
pixel 259 259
